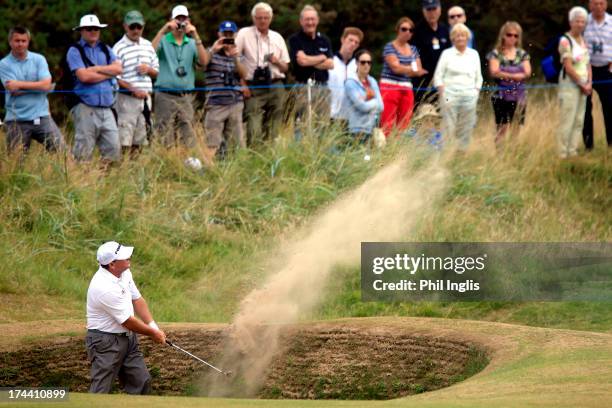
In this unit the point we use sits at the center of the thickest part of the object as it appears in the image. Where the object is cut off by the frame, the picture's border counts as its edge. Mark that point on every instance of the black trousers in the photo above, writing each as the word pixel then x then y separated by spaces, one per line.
pixel 604 91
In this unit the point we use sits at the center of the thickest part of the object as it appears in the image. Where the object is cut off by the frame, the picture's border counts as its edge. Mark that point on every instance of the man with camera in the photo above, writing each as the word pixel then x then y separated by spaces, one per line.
pixel 224 102
pixel 266 59
pixel 140 64
pixel 311 58
pixel 179 49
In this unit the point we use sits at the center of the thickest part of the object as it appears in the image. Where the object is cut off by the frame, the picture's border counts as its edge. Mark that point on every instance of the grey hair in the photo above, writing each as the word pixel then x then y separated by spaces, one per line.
pixel 262 6
pixel 577 12
pixel 308 7
pixel 460 28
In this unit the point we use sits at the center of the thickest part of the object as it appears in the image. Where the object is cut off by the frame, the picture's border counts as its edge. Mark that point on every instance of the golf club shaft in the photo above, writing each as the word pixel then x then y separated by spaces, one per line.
pixel 196 357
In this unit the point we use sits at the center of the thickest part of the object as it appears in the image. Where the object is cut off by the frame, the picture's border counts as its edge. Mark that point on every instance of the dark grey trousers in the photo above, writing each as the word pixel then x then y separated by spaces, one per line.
pixel 20 134
pixel 114 356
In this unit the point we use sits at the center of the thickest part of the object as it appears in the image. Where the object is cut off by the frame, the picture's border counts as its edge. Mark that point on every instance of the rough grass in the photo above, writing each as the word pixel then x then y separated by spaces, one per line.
pixel 200 238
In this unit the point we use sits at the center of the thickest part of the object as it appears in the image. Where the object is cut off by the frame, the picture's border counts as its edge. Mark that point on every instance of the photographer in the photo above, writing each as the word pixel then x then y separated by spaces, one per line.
pixel 178 47
pixel 224 102
pixel 266 59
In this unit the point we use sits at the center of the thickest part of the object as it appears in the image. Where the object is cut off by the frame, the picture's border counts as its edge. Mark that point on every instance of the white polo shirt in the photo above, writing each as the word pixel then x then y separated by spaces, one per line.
pixel 109 301
pixel 337 77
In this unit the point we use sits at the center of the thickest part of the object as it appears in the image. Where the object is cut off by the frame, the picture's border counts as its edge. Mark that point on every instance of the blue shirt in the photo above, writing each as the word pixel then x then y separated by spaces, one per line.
pixel 30 105
pixel 99 94
pixel 406 60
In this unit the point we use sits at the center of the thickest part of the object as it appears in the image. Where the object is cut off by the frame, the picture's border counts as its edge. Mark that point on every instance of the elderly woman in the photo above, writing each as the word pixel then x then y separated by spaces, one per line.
pixel 401 64
pixel 574 83
pixel 458 79
pixel 363 98
pixel 509 65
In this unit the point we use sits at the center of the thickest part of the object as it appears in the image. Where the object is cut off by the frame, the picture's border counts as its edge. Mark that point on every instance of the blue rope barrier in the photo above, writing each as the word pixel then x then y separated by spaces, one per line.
pixel 292 86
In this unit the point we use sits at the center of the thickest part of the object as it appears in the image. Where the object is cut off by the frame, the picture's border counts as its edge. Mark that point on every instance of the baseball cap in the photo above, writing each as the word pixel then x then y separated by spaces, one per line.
pixel 134 17
pixel 179 11
pixel 431 3
pixel 113 251
pixel 90 20
pixel 228 26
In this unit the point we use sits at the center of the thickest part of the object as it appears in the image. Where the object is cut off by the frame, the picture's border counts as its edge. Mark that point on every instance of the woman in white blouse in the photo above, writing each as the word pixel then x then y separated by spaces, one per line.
pixel 458 78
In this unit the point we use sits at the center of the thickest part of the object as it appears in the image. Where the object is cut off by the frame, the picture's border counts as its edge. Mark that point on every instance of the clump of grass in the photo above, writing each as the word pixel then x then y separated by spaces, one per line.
pixel 522 193
pixel 190 229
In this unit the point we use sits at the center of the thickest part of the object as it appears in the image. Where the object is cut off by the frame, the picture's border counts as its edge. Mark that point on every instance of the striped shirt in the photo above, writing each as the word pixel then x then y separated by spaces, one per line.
pixel 131 54
pixel 599 40
pixel 387 72
pixel 223 79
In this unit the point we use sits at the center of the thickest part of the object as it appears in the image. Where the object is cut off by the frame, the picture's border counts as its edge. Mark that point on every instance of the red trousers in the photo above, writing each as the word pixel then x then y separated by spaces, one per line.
pixel 399 104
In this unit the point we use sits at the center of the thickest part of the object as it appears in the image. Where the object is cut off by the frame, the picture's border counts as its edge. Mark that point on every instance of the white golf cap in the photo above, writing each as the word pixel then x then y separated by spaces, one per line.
pixel 90 20
pixel 179 11
pixel 113 251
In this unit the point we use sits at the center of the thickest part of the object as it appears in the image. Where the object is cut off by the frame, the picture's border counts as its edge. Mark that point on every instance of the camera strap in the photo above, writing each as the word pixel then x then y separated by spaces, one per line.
pixel 257 35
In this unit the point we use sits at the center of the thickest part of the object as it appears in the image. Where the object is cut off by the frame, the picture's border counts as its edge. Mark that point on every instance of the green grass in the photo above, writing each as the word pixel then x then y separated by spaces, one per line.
pixel 529 367
pixel 202 239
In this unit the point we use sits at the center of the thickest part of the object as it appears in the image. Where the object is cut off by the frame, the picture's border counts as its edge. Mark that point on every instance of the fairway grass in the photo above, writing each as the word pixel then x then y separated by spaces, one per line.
pixel 528 367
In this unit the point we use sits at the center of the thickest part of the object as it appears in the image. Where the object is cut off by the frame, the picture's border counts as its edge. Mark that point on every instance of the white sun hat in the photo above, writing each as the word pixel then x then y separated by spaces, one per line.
pixel 90 20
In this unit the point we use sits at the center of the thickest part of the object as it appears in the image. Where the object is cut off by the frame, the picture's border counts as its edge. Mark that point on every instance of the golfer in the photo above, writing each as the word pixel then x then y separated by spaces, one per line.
pixel 112 344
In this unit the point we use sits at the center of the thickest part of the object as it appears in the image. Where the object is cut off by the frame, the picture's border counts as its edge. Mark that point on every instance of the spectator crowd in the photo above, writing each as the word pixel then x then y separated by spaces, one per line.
pixel 123 97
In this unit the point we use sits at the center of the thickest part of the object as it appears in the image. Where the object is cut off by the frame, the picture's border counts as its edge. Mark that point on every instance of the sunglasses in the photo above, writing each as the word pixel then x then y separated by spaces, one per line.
pixel 135 27
pixel 454 16
pixel 510 35
pixel 365 62
pixel 431 8
pixel 406 29
pixel 89 29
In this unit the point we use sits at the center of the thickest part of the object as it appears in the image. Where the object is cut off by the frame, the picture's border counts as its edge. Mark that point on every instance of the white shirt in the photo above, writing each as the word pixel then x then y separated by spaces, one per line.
pixel 337 76
pixel 133 54
pixel 254 46
pixel 459 73
pixel 109 301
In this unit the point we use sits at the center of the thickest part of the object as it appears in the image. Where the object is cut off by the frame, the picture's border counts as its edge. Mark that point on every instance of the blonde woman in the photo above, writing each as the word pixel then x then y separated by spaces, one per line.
pixel 574 83
pixel 509 65
pixel 458 79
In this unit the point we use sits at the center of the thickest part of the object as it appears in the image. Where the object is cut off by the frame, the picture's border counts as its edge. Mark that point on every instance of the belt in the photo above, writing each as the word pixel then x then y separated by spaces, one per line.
pixel 29 122
pixel 274 81
pixel 122 334
pixel 176 93
pixel 96 107
pixel 396 83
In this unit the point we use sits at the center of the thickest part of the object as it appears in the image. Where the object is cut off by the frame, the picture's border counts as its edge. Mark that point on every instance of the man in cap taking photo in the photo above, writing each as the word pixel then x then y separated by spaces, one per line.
pixel 140 66
pixel 224 101
pixel 112 344
pixel 179 48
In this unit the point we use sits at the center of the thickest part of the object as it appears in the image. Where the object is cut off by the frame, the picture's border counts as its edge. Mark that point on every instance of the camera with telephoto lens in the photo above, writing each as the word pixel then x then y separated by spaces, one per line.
pixel 181 71
pixel 262 76
pixel 182 25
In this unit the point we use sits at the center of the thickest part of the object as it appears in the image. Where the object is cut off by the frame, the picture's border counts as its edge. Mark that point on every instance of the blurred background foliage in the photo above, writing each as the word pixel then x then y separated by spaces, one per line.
pixel 51 22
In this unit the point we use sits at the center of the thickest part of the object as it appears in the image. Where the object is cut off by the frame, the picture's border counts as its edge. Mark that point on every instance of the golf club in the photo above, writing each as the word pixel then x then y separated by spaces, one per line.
pixel 226 373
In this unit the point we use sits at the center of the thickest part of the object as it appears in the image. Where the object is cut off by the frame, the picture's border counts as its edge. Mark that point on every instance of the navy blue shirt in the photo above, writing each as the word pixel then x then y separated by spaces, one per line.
pixel 99 94
pixel 317 46
pixel 431 44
